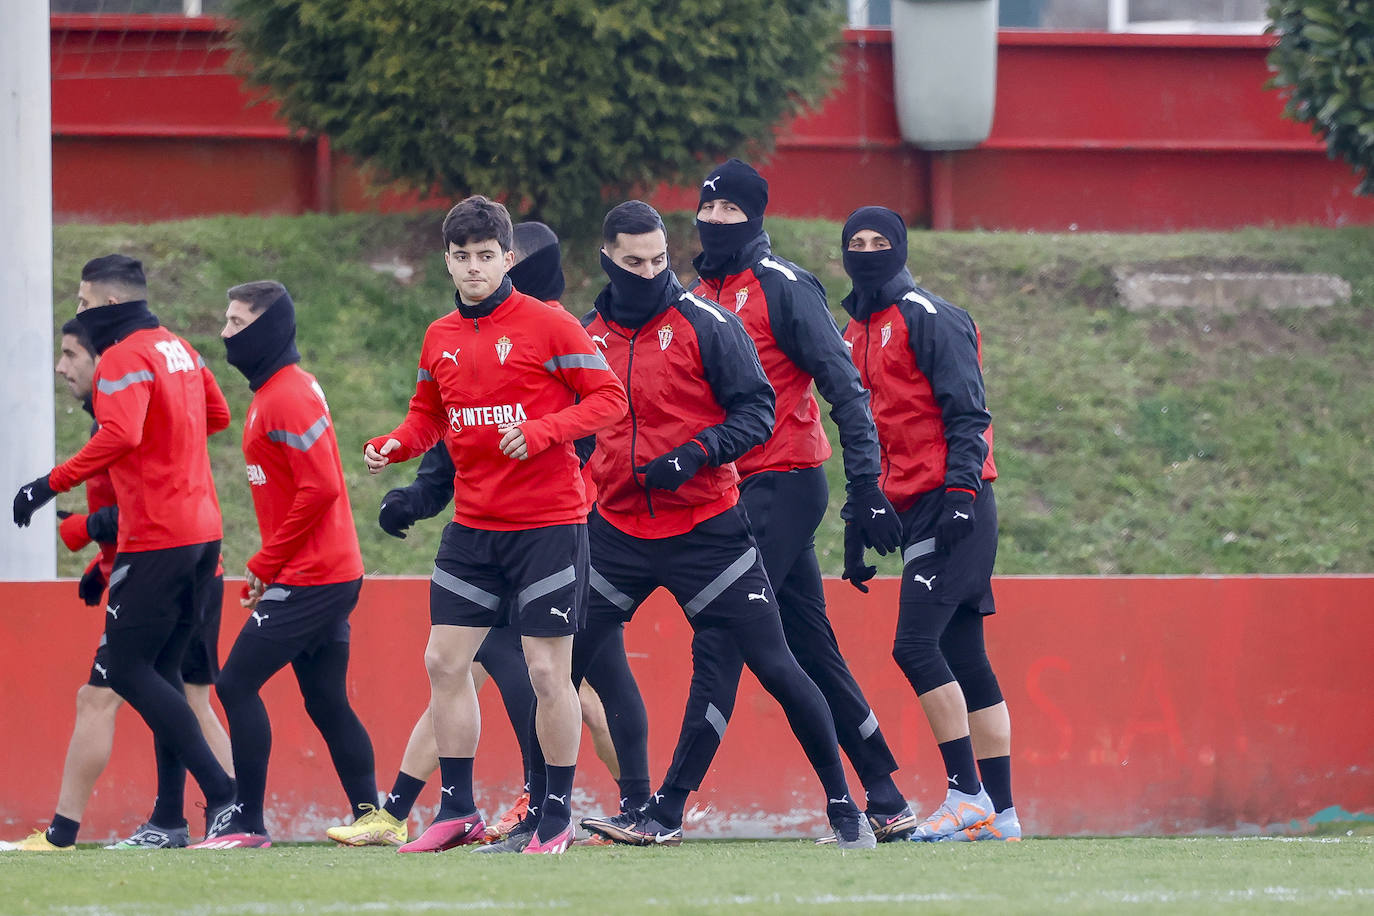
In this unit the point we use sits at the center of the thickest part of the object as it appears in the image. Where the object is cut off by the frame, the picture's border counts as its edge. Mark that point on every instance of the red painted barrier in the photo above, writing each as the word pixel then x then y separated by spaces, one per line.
pixel 1091 132
pixel 1140 706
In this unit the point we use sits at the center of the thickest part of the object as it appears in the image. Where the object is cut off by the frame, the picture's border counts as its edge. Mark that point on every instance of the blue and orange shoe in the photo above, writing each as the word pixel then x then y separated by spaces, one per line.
pixel 959 811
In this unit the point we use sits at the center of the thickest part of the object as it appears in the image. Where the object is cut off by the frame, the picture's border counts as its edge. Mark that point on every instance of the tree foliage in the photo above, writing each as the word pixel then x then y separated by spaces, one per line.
pixel 1324 64
pixel 557 105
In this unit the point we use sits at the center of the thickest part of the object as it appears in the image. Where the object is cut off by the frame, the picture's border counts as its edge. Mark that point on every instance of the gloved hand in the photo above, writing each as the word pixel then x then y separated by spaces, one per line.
pixel 956 519
pixel 92 584
pixel 30 498
pixel 671 470
pixel 875 516
pixel 103 524
pixel 397 514
pixel 854 569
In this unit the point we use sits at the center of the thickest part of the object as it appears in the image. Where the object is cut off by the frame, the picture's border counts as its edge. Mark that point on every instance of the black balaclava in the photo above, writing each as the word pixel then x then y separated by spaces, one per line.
pixel 631 300
pixel 872 271
pixel 739 183
pixel 538 272
pixel 266 345
pixel 106 325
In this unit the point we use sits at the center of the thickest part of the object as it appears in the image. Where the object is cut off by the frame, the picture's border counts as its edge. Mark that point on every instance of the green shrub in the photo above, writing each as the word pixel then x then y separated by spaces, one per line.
pixel 1324 65
pixel 555 105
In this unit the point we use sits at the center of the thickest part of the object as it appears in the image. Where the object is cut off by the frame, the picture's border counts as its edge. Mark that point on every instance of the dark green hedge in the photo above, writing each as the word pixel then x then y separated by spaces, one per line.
pixel 558 105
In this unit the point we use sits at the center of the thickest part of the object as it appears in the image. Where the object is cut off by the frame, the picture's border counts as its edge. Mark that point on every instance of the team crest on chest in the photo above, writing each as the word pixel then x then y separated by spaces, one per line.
pixel 885 335
pixel 665 336
pixel 503 349
pixel 741 297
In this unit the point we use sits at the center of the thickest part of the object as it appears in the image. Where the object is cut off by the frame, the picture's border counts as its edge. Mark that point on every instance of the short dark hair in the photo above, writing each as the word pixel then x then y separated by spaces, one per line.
pixel 633 217
pixel 477 219
pixel 259 294
pixel 78 330
pixel 120 274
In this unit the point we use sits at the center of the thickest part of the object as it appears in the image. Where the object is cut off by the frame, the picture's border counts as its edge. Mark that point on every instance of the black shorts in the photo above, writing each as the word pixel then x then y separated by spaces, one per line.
pixel 534 579
pixel 714 571
pixel 961 577
pixel 303 617
pixel 161 588
pixel 200 665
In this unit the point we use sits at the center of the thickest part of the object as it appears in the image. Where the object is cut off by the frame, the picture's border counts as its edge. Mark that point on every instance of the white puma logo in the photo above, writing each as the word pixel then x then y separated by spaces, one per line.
pixel 839 801
pixel 561 799
pixel 392 798
pixel 28 493
pixel 557 613
pixel 877 512
pixel 114 610
pixel 453 356
pixel 710 183
pixel 676 463
pixel 928 583
pixel 953 780
pixel 958 514
pixel 103 672
pixel 657 796
pixel 600 339
pixel 447 790
pixel 761 596
pixel 260 617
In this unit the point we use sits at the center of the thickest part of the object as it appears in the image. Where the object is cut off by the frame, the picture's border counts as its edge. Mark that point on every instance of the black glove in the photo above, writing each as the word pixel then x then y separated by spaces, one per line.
pixel 103 524
pixel 854 569
pixel 397 513
pixel 956 519
pixel 672 470
pixel 30 498
pixel 875 517
pixel 92 585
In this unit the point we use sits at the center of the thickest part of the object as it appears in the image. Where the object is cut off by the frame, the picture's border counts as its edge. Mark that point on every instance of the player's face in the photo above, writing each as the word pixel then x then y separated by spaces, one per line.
pixel 721 211
pixel 477 268
pixel 92 295
pixel 76 365
pixel 868 240
pixel 237 316
pixel 645 255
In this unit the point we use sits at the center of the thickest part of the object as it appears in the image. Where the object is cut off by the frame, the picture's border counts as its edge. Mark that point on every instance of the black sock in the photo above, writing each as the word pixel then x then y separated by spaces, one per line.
pixel 402 796
pixel 833 781
pixel 62 831
pixel 455 788
pixel 667 804
pixel 883 796
pixel 633 793
pixel 557 808
pixel 169 808
pixel 960 769
pixel 996 773
pixel 538 788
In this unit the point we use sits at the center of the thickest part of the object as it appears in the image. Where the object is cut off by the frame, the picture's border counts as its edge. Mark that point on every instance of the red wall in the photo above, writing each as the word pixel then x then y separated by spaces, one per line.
pixel 1140 706
pixel 1091 132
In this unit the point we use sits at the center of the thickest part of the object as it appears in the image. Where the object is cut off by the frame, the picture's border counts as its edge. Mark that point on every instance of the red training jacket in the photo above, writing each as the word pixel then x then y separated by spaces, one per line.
pixel 299 494
pixel 156 402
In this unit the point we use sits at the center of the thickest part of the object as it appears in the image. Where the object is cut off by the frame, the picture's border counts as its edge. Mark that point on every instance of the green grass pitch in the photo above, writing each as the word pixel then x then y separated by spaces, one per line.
pixel 1195 874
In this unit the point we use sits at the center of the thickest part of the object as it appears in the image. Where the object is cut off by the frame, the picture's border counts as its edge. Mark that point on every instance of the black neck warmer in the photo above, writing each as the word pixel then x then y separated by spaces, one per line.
pixel 487 305
pixel 861 306
pixel 107 325
pixel 540 274
pixel 631 300
pixel 267 345
pixel 727 248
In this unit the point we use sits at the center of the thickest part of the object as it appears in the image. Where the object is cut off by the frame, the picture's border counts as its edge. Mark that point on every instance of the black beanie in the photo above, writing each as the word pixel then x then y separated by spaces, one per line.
pixel 739 183
pixel 538 268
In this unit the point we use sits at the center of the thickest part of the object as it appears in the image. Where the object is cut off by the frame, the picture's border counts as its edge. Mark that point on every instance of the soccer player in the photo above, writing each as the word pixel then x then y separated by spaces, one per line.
pixel 155 402
pixel 510 382
pixel 784 492
pixel 922 359
pixel 303 582
pixel 92 740
pixel 667 509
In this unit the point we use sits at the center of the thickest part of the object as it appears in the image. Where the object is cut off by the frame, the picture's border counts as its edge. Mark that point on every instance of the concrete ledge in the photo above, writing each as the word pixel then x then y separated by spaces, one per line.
pixel 1231 292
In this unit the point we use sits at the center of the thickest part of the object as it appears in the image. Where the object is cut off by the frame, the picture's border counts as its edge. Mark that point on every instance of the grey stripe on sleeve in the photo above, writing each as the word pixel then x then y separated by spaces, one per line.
pixel 110 386
pixel 305 439
pixel 576 361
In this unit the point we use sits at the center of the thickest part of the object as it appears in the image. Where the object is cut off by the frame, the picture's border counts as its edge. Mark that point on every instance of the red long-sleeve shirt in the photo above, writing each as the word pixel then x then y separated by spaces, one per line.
pixel 527 363
pixel 156 402
pixel 299 494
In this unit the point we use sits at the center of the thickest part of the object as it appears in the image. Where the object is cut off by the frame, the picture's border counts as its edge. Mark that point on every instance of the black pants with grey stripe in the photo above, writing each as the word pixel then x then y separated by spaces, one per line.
pixel 715 572
pixel 784 508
